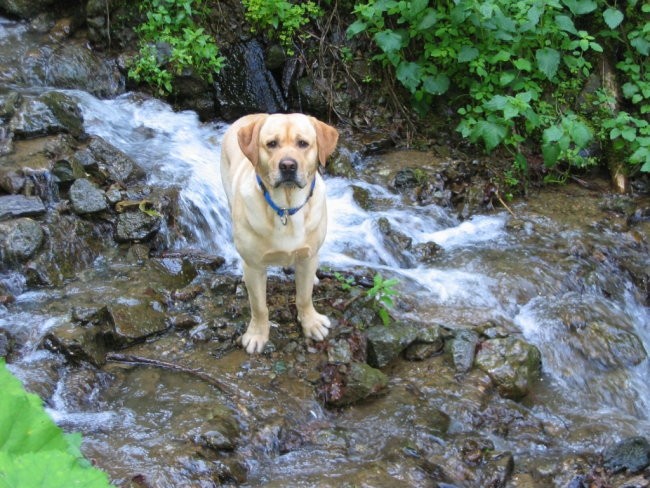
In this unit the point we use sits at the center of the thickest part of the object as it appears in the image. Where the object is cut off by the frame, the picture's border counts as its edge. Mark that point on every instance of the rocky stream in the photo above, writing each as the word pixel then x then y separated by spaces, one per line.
pixel 515 354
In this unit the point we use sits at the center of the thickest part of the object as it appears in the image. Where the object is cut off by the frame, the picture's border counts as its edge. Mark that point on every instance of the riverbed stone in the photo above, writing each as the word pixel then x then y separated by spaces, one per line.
pixel 107 163
pixel 20 239
pixel 512 364
pixel 86 197
pixel 15 206
pixel 429 340
pixel 361 381
pixel 134 320
pixel 631 455
pixel 219 430
pixel 78 344
pixel 11 181
pixel 463 349
pixel 385 343
pixel 50 113
pixel 136 225
pixel 609 345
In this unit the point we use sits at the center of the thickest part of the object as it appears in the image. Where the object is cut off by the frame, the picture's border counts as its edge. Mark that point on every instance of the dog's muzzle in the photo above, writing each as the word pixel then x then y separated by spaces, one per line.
pixel 289 172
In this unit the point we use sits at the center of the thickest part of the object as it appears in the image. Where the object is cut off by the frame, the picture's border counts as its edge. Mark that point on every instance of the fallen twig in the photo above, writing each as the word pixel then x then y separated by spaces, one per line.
pixel 128 358
pixel 504 204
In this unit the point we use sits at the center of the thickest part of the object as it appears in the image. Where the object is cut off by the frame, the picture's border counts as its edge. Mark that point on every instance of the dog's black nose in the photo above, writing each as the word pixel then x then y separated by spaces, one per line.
pixel 288 165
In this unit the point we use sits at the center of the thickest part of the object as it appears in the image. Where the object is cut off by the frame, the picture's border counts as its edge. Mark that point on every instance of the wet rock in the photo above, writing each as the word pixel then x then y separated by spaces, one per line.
pixel 339 352
pixel 107 163
pixel 50 113
pixel 79 344
pixel 408 178
pixel 463 349
pixel 511 363
pixel 11 181
pixel 136 226
pixel 86 197
pixel 14 206
pixel 387 343
pixel 20 239
pixel 397 243
pixel 362 198
pixel 67 171
pixel 25 9
pixel 134 320
pixel 631 454
pixel 611 346
pixel 429 340
pixel 6 343
pixel 245 85
pixel 427 252
pixel 81 388
pixel 75 66
pixel 175 272
pixel 344 385
pixel 71 245
pixel 219 430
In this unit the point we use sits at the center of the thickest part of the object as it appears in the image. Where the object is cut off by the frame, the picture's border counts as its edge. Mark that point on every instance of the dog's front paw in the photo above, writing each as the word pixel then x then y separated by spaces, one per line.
pixel 254 342
pixel 315 326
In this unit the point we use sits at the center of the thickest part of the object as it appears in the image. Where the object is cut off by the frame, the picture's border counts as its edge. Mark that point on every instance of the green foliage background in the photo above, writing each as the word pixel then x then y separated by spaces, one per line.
pixel 514 71
pixel 34 452
pixel 518 68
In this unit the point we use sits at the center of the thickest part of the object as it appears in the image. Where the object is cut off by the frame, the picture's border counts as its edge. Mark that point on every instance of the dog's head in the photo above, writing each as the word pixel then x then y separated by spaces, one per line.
pixel 287 148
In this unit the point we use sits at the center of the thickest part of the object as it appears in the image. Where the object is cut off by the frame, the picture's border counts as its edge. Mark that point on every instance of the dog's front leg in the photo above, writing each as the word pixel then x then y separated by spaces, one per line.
pixel 314 324
pixel 257 334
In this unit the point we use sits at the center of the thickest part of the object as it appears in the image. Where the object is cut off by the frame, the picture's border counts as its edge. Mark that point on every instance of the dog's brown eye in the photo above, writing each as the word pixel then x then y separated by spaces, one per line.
pixel 272 144
pixel 302 144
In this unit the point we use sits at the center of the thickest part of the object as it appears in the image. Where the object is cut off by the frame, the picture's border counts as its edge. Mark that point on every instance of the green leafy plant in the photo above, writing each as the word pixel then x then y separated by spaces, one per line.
pixel 346 283
pixel 518 68
pixel 33 450
pixel 171 42
pixel 281 19
pixel 382 293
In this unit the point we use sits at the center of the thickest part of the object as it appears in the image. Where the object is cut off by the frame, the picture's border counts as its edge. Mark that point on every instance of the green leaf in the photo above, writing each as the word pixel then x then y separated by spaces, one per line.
pixel 436 84
pixel 548 61
pixel 522 64
pixel 641 45
pixel 629 134
pixel 565 23
pixel 506 77
pixel 497 102
pixel 492 133
pixel 467 53
pixel 613 17
pixel 581 133
pixel 34 452
pixel 388 41
pixel 580 7
pixel 356 28
pixel 553 133
pixel 551 153
pixel 428 20
pixel 408 73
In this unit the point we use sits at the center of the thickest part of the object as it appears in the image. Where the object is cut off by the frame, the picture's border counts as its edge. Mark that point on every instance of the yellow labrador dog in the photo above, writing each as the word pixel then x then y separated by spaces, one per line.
pixel 269 169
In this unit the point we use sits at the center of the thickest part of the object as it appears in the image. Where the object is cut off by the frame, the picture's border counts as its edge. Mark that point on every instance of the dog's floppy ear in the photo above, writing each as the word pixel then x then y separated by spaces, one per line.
pixel 248 138
pixel 327 136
